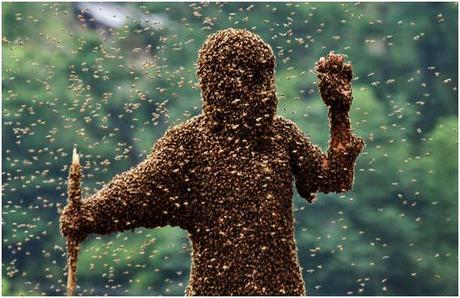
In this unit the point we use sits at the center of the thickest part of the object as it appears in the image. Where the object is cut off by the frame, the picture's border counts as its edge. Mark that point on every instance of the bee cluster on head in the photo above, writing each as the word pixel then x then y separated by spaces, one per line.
pixel 236 70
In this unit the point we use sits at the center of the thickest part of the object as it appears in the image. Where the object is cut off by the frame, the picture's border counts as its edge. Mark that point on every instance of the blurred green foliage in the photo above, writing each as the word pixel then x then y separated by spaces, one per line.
pixel 113 92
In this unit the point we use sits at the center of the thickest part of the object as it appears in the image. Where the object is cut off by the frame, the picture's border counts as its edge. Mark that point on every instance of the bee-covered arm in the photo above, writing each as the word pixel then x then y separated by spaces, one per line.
pixel 333 171
pixel 152 194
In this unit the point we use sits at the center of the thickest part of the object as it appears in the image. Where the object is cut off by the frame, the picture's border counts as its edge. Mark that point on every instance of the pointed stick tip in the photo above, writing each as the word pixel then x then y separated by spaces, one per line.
pixel 75 156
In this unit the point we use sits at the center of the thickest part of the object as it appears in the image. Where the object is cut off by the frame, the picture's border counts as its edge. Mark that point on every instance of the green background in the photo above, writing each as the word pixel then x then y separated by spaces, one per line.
pixel 113 92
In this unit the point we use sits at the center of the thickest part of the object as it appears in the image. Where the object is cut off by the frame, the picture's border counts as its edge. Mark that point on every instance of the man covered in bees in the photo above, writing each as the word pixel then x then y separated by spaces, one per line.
pixel 226 175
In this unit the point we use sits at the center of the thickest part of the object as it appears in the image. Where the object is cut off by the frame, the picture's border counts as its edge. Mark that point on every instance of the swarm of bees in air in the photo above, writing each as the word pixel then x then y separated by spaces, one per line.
pixel 210 133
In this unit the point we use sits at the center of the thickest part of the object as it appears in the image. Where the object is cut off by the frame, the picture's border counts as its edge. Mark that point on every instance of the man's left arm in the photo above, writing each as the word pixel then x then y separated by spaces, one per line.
pixel 333 171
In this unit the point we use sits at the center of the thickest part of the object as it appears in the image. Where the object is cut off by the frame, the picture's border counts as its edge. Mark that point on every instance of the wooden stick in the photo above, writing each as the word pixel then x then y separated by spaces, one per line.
pixel 73 245
pixel 72 257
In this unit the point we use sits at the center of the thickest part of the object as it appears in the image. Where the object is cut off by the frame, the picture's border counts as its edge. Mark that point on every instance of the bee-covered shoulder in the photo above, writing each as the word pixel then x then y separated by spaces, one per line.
pixel 183 133
pixel 288 129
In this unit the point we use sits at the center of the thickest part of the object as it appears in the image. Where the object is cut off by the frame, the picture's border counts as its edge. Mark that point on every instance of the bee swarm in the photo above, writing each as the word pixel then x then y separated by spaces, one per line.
pixel 226 175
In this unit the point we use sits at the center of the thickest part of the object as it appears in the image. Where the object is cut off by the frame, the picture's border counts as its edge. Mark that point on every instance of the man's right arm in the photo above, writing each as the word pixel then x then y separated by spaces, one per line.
pixel 149 195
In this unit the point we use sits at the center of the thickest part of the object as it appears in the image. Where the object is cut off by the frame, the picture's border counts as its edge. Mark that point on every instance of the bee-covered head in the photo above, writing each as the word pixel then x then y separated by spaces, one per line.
pixel 236 71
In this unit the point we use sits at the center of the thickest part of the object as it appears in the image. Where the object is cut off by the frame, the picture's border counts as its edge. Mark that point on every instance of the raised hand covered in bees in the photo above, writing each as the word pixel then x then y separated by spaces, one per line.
pixel 334 84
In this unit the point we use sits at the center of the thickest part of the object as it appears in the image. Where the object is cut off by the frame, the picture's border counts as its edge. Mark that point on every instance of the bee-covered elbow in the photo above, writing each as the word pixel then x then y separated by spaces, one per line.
pixel 345 183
